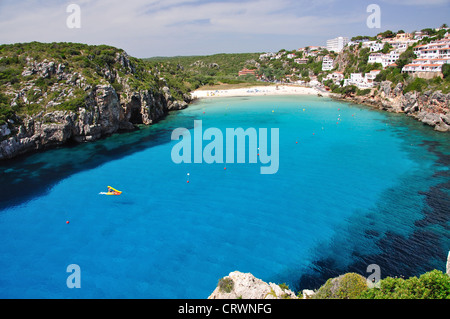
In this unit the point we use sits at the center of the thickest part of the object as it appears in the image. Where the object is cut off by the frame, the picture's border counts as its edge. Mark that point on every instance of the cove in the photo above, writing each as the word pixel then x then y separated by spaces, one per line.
pixel 369 188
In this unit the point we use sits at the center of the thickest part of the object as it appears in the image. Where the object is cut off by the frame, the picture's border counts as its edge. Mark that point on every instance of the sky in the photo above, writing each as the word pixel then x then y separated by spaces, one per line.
pixel 147 28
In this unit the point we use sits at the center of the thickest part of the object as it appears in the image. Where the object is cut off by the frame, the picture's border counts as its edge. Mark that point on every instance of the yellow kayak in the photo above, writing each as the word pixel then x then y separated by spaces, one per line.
pixel 113 191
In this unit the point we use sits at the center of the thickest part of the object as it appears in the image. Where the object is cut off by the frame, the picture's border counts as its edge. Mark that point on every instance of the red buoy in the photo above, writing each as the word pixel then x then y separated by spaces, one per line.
pixel 67 222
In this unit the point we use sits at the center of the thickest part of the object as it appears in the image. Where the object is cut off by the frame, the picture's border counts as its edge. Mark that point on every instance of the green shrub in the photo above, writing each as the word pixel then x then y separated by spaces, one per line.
pixel 118 87
pixel 348 286
pixel 226 285
pixel 284 286
pixel 418 85
pixel 32 108
pixel 73 104
pixel 446 71
pixel 8 75
pixel 431 285
pixel 5 113
pixel 362 92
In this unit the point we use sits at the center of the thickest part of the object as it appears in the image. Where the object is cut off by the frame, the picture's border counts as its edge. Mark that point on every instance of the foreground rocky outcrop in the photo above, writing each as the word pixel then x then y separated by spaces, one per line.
pixel 430 107
pixel 238 285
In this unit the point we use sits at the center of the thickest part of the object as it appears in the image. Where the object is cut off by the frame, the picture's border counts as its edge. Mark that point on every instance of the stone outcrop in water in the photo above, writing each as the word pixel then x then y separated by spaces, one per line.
pixel 430 107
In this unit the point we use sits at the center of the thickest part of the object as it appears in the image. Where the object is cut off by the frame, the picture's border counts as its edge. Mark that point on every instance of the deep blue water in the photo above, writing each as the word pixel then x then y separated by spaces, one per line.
pixel 359 187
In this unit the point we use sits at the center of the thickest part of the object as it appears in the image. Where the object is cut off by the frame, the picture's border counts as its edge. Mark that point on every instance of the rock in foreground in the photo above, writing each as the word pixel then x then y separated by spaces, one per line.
pixel 239 285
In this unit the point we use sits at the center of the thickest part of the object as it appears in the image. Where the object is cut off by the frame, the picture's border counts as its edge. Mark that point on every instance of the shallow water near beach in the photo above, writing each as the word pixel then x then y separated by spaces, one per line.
pixel 354 187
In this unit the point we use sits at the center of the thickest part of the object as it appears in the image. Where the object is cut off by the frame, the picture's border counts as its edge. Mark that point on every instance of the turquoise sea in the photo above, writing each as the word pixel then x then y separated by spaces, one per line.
pixel 354 187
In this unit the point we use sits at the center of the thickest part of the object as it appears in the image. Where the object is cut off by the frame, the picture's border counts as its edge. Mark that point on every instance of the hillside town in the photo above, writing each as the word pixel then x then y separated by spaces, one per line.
pixel 315 65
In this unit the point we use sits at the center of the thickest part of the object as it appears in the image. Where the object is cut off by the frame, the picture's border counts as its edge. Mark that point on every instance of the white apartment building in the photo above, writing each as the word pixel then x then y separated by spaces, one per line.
pixel 327 63
pixel 401 46
pixel 355 79
pixel 434 50
pixel 337 44
pixel 384 59
pixel 430 57
pixel 267 55
pixel 301 60
pixel 362 82
pixel 425 65
pixel 374 46
pixel 336 77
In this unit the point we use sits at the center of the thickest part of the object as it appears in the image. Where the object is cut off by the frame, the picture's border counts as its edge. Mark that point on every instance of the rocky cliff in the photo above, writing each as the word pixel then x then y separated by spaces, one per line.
pixel 75 105
pixel 430 107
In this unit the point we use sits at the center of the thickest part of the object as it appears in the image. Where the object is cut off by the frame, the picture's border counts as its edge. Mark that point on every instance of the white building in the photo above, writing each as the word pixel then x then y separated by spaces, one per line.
pixel 337 44
pixel 370 77
pixel 419 35
pixel 327 63
pixel 355 79
pixel 336 77
pixel 384 59
pixel 430 57
pixel 312 53
pixel 362 82
pixel 434 50
pixel 425 65
pixel 267 55
pixel 401 46
pixel 301 60
pixel 374 46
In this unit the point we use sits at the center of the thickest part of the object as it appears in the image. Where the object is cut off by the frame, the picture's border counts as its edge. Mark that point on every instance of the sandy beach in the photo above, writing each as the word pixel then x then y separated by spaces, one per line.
pixel 258 91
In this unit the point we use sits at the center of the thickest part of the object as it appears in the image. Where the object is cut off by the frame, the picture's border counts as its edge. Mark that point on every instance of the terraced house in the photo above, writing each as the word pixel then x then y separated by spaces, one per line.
pixel 430 57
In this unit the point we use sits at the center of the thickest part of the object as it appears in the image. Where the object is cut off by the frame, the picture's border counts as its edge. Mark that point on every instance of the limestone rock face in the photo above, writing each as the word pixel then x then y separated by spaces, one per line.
pixel 103 113
pixel 430 107
pixel 246 286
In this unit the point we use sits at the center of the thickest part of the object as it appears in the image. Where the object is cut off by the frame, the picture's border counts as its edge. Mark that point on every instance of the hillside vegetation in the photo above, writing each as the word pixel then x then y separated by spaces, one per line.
pixel 193 72
pixel 431 285
pixel 37 77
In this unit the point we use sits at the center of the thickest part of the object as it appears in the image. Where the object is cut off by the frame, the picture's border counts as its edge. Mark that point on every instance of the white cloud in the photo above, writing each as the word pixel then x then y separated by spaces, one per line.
pixel 141 25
